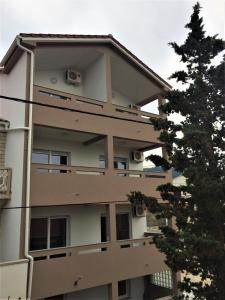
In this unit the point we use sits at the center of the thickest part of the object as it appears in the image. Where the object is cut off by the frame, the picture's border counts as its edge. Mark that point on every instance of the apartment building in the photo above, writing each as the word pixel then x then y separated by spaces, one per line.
pixel 70 154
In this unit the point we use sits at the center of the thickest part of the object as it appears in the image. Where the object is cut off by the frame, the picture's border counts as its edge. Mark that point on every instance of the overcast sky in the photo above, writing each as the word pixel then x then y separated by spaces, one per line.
pixel 144 26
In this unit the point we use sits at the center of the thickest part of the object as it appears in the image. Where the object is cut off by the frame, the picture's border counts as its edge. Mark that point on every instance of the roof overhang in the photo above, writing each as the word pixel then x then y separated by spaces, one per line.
pixel 32 40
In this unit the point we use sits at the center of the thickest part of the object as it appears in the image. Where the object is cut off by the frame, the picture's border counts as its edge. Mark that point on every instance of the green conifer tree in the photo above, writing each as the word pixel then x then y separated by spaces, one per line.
pixel 197 245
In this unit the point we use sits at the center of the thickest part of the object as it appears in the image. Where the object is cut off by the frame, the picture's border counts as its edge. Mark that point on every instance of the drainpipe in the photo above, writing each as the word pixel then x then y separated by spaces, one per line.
pixel 27 209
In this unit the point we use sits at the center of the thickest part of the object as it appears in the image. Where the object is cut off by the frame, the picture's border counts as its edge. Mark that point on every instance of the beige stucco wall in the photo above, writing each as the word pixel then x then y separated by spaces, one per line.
pixel 84 155
pixel 13 280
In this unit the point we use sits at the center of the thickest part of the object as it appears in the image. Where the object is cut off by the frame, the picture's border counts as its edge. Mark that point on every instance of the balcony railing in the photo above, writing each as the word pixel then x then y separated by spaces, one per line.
pixel 74 268
pixel 46 168
pixel 5 183
pixel 54 97
pixel 60 185
pixel 88 249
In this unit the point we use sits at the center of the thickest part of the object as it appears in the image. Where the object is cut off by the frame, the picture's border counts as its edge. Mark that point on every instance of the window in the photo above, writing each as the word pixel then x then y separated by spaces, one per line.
pixel 58 158
pixel 40 157
pixel 123 289
pixel 123 226
pixel 48 233
pixel 38 238
pixel 51 157
pixel 120 163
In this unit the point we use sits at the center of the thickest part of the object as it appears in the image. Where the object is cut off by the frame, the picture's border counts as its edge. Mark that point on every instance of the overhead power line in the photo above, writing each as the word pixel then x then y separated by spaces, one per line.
pixel 69 109
pixel 72 110
pixel 71 204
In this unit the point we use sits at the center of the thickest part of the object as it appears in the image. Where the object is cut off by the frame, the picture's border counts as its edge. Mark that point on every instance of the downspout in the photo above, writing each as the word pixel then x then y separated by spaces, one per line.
pixel 27 209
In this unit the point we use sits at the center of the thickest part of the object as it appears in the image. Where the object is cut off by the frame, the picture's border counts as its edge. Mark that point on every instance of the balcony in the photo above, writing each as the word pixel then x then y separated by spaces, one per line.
pixel 71 167
pixel 65 270
pixel 59 185
pixel 107 118
pixel 5 183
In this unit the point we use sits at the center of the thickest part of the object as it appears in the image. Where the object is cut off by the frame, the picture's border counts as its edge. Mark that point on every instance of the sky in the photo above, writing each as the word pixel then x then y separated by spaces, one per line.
pixel 145 27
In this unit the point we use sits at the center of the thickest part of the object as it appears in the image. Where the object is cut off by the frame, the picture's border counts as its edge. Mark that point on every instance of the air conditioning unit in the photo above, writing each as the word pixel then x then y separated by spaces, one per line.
pixel 137 156
pixel 139 210
pixel 134 106
pixel 73 77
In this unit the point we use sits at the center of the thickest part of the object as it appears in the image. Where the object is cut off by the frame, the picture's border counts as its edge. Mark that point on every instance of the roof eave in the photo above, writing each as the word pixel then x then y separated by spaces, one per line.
pixel 106 39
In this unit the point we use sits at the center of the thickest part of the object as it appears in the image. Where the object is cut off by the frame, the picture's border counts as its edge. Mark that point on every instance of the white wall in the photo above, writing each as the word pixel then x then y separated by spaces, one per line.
pixel 43 78
pixel 85 221
pixel 80 155
pixel 13 279
pixel 95 80
pixel 101 292
pixel 119 99
pixel 83 155
pixel 13 84
pixel 137 288
pixel 96 293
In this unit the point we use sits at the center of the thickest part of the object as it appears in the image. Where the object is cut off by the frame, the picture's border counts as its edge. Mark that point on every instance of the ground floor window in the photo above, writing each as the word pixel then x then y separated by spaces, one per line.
pixel 123 289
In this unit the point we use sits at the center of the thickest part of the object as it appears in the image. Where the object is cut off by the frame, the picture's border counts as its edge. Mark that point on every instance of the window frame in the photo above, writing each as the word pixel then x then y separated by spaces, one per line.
pixel 115 159
pixel 128 290
pixel 51 153
pixel 49 218
pixel 130 223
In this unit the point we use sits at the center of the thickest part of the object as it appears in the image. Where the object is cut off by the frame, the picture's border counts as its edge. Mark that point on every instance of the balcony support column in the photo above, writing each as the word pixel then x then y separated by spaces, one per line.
pixel 108 77
pixel 113 290
pixel 109 155
pixel 111 213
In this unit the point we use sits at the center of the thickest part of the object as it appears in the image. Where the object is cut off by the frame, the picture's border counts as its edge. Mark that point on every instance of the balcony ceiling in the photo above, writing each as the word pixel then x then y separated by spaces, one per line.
pixel 53 58
pixel 42 132
pixel 130 82
pixel 62 135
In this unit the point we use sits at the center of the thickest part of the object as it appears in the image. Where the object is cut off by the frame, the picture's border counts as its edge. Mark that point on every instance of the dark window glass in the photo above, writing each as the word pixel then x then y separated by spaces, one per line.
pixel 38 234
pixel 122 288
pixel 103 229
pixel 122 226
pixel 58 233
pixel 59 159
pixel 121 165
pixel 40 157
